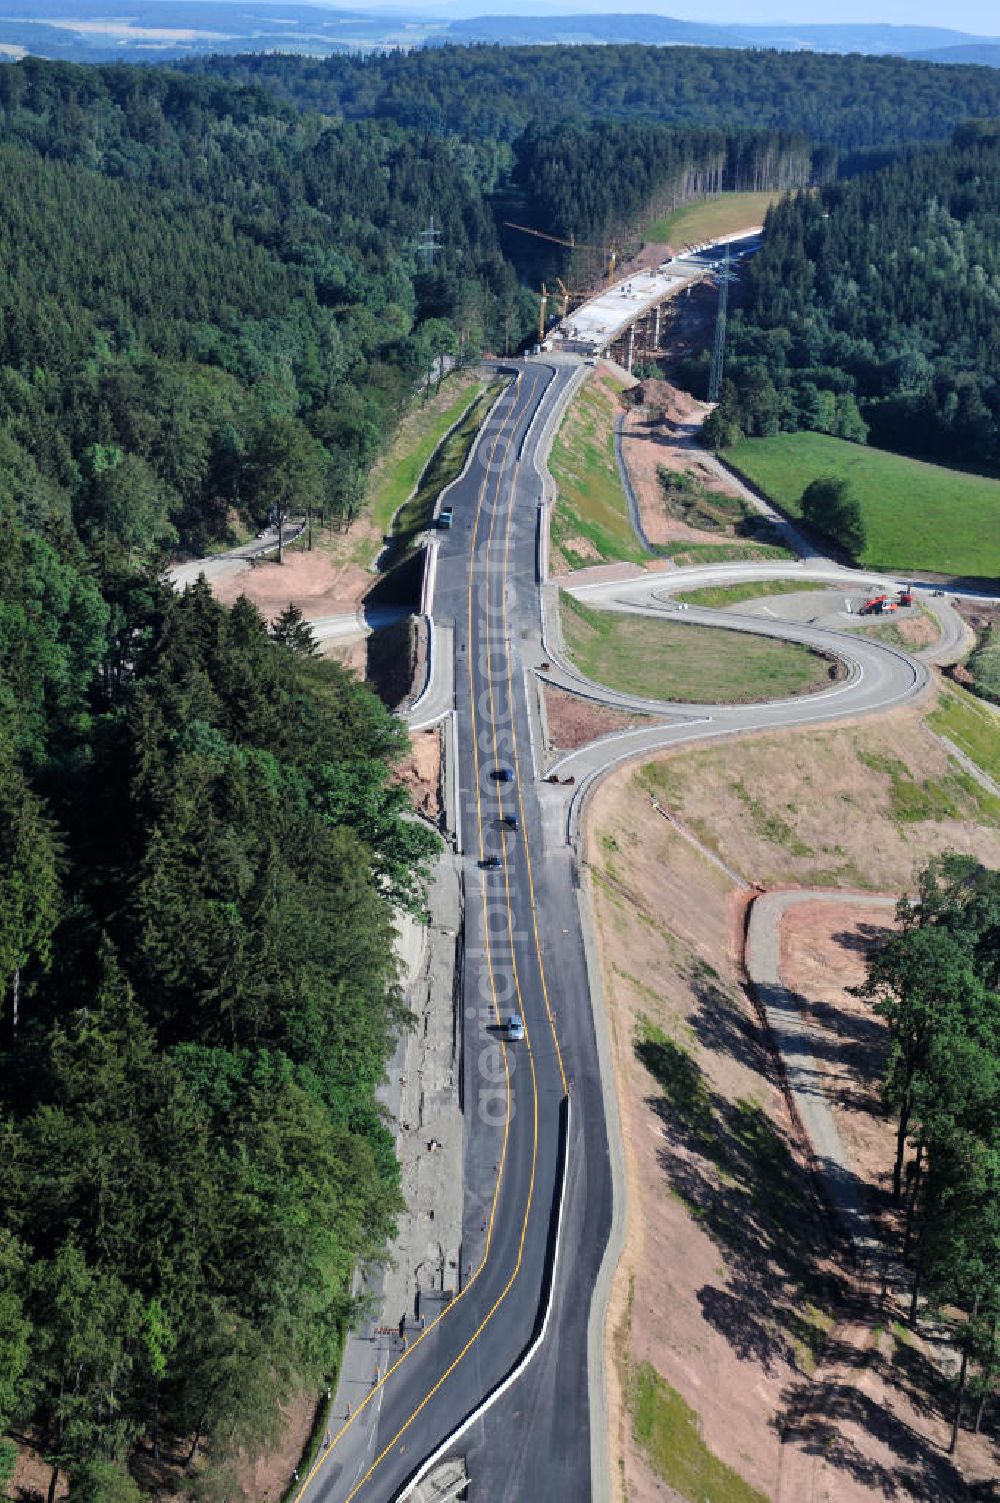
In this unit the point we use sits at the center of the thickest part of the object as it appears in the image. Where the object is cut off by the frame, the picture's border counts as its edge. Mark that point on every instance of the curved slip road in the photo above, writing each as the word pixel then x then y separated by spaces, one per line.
pixel 524 952
pixel 879 677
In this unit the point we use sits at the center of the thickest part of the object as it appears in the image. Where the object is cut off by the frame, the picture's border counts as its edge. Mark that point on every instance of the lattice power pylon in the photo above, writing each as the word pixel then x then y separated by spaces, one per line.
pixel 429 244
pixel 724 275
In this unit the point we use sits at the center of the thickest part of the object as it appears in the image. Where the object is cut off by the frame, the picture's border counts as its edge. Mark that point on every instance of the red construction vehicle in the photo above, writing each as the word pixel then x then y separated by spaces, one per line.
pixel 906 596
pixel 879 605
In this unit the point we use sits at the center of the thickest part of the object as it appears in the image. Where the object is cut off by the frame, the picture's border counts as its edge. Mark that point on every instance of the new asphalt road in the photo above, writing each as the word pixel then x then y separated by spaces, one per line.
pixel 523 955
pixel 538 1190
pixel 497 1372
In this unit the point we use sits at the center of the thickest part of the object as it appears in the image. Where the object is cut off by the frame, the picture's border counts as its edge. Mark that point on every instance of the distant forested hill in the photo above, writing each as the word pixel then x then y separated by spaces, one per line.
pixel 882 292
pixel 850 102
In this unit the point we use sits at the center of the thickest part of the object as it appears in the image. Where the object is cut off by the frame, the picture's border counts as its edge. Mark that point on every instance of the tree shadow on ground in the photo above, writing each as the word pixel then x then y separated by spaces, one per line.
pixel 738 1176
pixel 818 1417
pixel 743 1183
pixel 863 937
pixel 722 1024
pixel 852 1040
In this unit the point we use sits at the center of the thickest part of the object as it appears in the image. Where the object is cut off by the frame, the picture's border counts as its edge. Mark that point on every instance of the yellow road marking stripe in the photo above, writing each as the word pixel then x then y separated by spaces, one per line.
pixel 488 947
pixel 328 1452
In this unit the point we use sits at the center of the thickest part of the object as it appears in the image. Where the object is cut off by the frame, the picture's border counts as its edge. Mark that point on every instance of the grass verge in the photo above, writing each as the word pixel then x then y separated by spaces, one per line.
pixel 724 214
pixel 444 466
pixel 914 800
pixel 684 554
pixel 971 726
pixel 916 515
pixel 667 1429
pixel 693 664
pixel 722 595
pixel 590 520
pixel 419 436
pixel 984 665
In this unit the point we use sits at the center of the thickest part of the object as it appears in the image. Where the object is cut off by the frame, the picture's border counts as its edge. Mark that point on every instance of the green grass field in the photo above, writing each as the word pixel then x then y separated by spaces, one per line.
pixel 445 465
pixel 686 664
pixel 710 217
pixel 972 726
pixel 591 514
pixel 718 596
pixel 916 515
pixel 419 436
pixel 668 1430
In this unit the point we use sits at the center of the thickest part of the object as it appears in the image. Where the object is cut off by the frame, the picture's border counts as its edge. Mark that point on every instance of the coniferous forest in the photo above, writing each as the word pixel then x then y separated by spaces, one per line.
pixel 849 103
pixel 211 286
pixel 874 308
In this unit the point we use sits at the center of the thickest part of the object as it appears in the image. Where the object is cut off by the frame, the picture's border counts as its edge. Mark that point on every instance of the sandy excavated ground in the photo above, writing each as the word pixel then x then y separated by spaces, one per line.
pixel 801 808
pixel 658 433
pixel 913 631
pixel 350 655
pixel 319 583
pixel 703 1292
pixel 265 1480
pixel 421 772
pixel 575 722
pixel 31 1477
pixel 686 1299
pixel 823 951
pixel 977 614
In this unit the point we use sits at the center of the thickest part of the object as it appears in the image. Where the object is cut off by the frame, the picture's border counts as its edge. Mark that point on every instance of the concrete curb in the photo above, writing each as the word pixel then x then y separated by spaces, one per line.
pixel 451 789
pixel 600 1438
pixel 627 487
pixel 428 666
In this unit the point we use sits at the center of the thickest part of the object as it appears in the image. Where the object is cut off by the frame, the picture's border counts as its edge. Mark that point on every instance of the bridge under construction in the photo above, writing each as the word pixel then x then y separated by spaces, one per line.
pixel 624 321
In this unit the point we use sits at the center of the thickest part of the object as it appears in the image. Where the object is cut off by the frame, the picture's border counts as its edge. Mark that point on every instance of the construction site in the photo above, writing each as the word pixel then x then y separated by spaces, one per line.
pixel 623 319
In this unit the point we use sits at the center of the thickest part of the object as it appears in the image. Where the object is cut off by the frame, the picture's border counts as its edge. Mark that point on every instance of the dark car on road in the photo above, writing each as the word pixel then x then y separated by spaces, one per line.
pixel 503 774
pixel 491 863
pixel 445 518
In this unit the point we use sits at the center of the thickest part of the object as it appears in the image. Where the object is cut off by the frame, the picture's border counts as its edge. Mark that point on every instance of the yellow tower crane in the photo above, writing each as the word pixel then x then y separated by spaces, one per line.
pixel 609 251
pixel 543 302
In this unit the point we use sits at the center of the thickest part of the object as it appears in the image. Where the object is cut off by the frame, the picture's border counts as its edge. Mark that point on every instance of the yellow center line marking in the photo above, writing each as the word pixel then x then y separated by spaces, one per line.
pixel 496 1012
pixel 520 803
pixel 329 1451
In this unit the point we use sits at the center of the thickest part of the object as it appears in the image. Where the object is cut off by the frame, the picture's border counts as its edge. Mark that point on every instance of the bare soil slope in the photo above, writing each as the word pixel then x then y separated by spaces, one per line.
pixel 320 583
pixel 662 432
pixel 732 1288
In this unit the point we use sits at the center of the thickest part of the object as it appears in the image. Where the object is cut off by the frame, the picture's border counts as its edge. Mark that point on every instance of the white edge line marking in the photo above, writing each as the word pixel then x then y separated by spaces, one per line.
pixel 515 1373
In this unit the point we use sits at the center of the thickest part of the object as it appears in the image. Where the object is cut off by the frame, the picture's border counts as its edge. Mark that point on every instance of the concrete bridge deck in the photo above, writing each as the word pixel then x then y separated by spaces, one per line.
pixel 596 325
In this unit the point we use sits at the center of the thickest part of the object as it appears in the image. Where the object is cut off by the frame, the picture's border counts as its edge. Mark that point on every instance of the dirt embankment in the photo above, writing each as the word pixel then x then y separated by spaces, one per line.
pixel 320 583
pixel 574 721
pixel 660 432
pixel 420 771
pixel 732 1286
